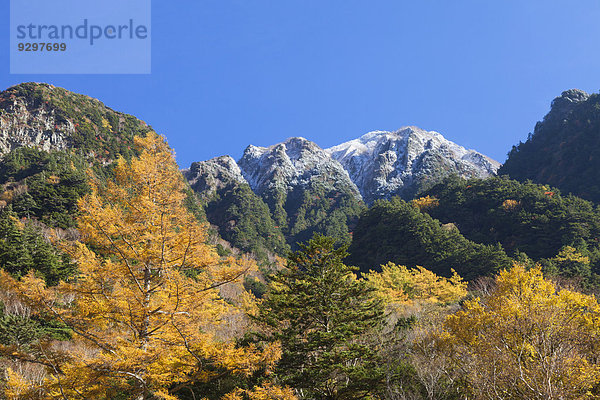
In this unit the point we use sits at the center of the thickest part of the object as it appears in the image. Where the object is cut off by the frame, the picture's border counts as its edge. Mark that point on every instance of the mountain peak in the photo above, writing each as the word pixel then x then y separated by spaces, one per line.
pixel 378 164
pixel 52 118
pixel 574 95
pixel 290 163
pixel 564 105
pixel 206 177
pixel 384 164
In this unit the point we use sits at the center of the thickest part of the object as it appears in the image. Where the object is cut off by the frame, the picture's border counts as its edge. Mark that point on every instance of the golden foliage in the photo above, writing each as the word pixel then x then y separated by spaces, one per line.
pixel 527 339
pixel 570 254
pixel 397 284
pixel 53 179
pixel 265 392
pixel 511 205
pixel 145 308
pixel 106 124
pixel 425 203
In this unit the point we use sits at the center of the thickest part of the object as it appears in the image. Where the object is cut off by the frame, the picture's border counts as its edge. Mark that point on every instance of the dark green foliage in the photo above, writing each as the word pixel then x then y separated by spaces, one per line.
pixel 223 251
pixel 192 204
pixel 563 150
pixel 320 209
pixel 277 221
pixel 399 232
pixel 321 314
pixel 21 163
pixel 255 286
pixel 44 185
pixel 23 248
pixel 22 333
pixel 244 220
pixel 523 217
pixel 18 331
pixel 574 267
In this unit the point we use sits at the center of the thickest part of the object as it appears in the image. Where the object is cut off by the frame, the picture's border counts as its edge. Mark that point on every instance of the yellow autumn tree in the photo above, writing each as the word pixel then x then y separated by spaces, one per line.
pixel 425 203
pixel 569 263
pixel 527 340
pixel 144 309
pixel 265 392
pixel 399 285
pixel 417 302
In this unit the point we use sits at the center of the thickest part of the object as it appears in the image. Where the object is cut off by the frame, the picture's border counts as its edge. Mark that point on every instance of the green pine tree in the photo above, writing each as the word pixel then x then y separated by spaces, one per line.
pixel 321 314
pixel 23 248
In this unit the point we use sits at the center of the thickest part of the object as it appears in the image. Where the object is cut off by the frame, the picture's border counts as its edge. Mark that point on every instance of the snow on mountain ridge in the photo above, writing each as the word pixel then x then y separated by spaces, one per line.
pixel 379 164
pixel 291 163
pixel 383 164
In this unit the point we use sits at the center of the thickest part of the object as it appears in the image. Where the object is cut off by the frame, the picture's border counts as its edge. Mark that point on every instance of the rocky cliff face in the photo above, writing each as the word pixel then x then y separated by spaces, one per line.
pixel 51 118
pixel 295 163
pixel 385 164
pixel 208 177
pixel 25 122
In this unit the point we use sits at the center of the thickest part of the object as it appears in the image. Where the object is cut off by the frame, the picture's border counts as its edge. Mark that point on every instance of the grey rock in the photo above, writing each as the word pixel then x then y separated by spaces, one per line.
pixel 293 164
pixel 24 125
pixel 384 164
pixel 207 177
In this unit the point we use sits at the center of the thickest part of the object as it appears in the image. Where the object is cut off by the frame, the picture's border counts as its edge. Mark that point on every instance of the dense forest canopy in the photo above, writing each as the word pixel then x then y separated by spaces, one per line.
pixel 563 149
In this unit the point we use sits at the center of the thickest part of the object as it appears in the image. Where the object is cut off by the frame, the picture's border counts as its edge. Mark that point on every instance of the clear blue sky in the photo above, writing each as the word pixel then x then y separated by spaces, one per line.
pixel 228 73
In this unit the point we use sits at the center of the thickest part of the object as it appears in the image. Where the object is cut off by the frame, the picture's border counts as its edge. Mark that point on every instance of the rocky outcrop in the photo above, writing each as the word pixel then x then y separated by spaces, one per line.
pixel 564 105
pixel 208 177
pixel 25 122
pixel 295 163
pixel 385 164
pixel 53 119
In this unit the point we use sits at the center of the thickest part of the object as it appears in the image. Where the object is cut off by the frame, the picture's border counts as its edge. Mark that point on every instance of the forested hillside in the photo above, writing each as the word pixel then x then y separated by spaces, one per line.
pixel 399 232
pixel 523 217
pixel 563 149
pixel 477 226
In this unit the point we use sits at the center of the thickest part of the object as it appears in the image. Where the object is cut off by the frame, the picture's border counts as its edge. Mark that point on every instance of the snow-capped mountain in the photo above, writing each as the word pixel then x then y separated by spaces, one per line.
pixel 377 165
pixel 384 164
pixel 295 163
pixel 296 188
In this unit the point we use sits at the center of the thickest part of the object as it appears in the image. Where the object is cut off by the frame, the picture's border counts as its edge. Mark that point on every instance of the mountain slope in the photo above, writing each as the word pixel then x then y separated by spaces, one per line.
pixel 49 137
pixel 292 188
pixel 564 149
pixel 523 217
pixel 51 118
pixel 303 187
pixel 241 216
pixel 309 189
pixel 399 232
pixel 385 164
